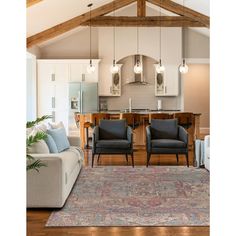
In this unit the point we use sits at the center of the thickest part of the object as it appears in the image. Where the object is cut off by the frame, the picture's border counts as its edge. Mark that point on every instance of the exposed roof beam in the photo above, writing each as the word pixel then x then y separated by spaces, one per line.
pixel 180 10
pixel 141 7
pixel 148 21
pixel 75 22
pixel 32 2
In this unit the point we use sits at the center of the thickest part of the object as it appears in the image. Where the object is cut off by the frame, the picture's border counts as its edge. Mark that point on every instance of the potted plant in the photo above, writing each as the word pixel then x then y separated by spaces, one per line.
pixel 33 164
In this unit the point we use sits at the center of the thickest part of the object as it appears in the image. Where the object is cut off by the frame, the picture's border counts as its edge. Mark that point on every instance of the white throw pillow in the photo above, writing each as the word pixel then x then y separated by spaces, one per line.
pixel 39 147
pixel 54 125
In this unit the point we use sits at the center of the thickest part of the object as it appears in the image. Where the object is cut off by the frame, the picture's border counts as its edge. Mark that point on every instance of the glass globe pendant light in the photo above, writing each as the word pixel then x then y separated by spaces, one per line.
pixel 90 68
pixel 160 68
pixel 114 67
pixel 183 67
pixel 138 66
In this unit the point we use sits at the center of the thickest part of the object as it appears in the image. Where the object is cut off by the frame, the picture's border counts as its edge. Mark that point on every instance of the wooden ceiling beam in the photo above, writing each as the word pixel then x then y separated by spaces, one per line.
pixel 180 10
pixel 141 8
pixel 148 21
pixel 30 3
pixel 75 22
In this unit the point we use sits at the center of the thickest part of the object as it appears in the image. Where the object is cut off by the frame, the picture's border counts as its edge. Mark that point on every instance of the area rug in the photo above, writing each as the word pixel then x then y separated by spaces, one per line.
pixel 140 196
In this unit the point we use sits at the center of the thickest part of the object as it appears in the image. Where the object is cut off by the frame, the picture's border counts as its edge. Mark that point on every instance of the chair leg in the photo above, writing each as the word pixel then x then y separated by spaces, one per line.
pixel 132 156
pixel 187 159
pixel 126 156
pixel 177 158
pixel 98 157
pixel 93 159
pixel 148 158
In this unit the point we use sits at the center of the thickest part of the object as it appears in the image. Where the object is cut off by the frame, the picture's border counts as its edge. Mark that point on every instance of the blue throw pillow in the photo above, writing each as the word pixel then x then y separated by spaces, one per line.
pixel 60 138
pixel 51 144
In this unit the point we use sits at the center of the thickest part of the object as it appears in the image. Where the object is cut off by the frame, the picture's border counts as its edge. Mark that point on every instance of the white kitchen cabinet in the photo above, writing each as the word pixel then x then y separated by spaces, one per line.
pixel 52 82
pixel 167 83
pixel 109 84
pixel 53 85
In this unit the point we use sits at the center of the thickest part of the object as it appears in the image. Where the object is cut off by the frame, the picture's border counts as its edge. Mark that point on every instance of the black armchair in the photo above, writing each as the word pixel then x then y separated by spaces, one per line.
pixel 112 137
pixel 166 137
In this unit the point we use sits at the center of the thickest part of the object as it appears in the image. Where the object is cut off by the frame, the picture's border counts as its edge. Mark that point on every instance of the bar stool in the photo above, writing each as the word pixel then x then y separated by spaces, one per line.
pixel 186 119
pixel 161 116
pixel 130 119
pixel 96 117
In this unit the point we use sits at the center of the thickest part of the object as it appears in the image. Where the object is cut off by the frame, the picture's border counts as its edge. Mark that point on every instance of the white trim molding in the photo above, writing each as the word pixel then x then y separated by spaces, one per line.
pixel 197 60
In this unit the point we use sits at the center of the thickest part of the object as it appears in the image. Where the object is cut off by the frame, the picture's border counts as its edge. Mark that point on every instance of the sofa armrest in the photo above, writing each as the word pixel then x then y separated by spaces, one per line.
pixel 183 135
pixel 148 138
pixel 130 135
pixel 74 141
pixel 40 184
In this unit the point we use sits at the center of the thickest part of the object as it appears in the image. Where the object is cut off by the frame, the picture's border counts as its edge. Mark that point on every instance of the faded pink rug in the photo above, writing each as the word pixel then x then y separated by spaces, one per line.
pixel 139 196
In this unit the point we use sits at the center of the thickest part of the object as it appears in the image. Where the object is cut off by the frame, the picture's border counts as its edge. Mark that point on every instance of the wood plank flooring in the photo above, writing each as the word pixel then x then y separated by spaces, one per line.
pixel 37 218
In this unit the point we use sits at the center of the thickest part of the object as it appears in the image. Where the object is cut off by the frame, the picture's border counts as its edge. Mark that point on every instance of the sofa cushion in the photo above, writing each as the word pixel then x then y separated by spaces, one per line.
pixel 113 143
pixel 70 159
pixel 51 144
pixel 164 129
pixel 167 143
pixel 60 138
pixel 39 147
pixel 54 125
pixel 112 129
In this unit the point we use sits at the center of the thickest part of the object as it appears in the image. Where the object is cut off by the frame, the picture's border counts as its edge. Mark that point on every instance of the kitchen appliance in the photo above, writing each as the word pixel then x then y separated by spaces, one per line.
pixel 83 97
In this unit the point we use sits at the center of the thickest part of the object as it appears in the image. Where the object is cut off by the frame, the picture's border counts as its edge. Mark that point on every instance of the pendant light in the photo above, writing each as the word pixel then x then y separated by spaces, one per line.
pixel 114 67
pixel 183 68
pixel 160 68
pixel 90 67
pixel 138 66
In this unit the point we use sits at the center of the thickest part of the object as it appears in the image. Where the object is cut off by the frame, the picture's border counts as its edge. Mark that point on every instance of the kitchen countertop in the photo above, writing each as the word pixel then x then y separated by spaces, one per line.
pixel 139 111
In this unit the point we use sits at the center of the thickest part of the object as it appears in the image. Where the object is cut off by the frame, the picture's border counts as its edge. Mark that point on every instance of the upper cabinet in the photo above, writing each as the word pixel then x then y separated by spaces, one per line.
pixel 109 84
pixel 53 85
pixel 165 83
pixel 78 71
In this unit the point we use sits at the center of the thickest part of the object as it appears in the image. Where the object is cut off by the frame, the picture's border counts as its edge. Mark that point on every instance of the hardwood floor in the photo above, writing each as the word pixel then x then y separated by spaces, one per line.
pixel 37 218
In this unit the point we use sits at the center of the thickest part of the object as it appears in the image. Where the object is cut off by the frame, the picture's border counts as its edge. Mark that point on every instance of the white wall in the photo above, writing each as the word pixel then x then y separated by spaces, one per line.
pixel 196 90
pixel 30 87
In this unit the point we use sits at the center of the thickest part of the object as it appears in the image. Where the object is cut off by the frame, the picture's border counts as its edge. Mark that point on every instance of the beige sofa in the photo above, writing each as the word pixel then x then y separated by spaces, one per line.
pixel 51 186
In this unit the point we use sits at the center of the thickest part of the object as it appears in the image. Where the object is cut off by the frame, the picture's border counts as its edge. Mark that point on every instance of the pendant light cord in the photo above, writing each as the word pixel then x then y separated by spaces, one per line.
pixel 183 35
pixel 137 39
pixel 90 34
pixel 160 30
pixel 114 36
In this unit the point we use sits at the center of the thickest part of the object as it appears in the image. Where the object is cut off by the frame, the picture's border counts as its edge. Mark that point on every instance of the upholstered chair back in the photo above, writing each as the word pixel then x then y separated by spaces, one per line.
pixel 164 129
pixel 113 129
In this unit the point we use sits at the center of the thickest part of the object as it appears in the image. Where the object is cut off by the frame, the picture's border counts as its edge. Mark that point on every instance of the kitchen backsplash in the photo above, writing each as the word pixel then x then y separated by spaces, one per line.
pixel 142 98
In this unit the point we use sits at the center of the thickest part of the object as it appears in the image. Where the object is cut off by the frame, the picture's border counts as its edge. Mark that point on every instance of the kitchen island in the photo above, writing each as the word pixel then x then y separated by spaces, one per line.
pixel 143 116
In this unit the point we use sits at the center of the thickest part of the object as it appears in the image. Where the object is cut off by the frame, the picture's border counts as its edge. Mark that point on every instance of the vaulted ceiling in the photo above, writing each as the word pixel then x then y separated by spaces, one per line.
pixel 48 19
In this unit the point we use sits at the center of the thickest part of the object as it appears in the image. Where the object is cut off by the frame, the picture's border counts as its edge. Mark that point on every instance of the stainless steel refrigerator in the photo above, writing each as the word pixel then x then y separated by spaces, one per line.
pixel 83 97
